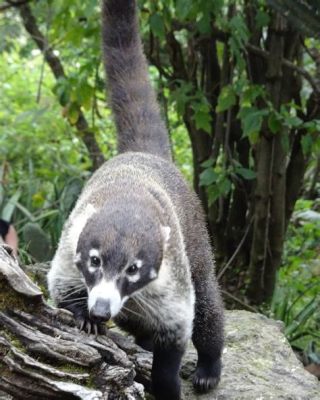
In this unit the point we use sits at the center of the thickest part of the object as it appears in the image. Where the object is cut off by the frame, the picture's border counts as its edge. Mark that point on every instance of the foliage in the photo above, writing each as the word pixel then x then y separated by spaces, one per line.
pixel 296 300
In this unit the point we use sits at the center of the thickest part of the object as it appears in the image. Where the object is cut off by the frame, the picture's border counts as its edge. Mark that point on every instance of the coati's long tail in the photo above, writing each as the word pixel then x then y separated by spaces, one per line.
pixel 133 100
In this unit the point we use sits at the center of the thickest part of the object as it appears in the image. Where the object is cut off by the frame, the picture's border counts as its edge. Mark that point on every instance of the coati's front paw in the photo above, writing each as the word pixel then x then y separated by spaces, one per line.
pixel 90 327
pixel 207 376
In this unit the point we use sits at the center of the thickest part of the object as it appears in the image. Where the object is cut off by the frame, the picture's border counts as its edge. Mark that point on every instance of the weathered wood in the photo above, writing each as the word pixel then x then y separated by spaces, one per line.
pixel 43 355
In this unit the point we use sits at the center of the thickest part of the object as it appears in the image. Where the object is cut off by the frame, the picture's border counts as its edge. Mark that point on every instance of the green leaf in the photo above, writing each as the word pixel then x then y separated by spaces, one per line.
pixel 274 123
pixel 292 121
pixel 208 163
pixel 207 177
pixel 157 25
pixel 202 116
pixel 246 173
pixel 227 99
pixel 72 113
pixel 10 206
pixel 262 19
pixel 183 8
pixel 251 122
pixel 306 143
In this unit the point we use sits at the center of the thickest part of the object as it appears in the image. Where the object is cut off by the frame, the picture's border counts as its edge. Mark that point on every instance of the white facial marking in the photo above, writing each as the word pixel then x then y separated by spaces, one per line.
pixel 77 258
pixel 106 291
pixel 138 263
pixel 134 278
pixel 78 223
pixel 153 274
pixel 94 253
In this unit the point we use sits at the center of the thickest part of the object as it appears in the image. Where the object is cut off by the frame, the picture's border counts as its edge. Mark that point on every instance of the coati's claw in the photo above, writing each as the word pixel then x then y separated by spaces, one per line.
pixel 202 382
pixel 90 327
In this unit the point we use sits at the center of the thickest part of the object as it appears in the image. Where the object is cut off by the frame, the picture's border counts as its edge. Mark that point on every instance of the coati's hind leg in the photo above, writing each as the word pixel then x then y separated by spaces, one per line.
pixel 207 335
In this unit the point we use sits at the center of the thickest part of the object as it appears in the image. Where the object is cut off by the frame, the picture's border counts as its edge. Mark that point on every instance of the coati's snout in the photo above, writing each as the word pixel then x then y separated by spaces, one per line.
pixel 100 311
pixel 105 300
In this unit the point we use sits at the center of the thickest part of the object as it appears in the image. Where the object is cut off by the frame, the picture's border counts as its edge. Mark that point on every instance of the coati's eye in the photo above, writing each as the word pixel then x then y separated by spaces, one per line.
pixel 132 269
pixel 95 261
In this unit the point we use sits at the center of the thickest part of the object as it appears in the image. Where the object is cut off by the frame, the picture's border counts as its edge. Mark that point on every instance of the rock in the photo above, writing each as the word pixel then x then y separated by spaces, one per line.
pixel 258 363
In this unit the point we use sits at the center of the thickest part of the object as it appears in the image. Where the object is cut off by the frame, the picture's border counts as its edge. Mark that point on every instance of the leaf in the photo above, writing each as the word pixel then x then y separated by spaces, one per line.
pixel 227 99
pixel 157 25
pixel 72 113
pixel 274 123
pixel 262 19
pixel 10 206
pixel 208 163
pixel 306 143
pixel 292 121
pixel 202 116
pixel 246 173
pixel 224 186
pixel 207 177
pixel 251 122
pixel 183 8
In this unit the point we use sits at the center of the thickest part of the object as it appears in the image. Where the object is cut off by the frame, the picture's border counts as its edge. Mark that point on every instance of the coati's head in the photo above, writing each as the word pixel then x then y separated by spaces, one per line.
pixel 119 252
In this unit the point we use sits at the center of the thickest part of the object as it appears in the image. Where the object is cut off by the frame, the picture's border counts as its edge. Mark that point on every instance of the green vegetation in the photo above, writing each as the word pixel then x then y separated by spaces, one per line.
pixel 238 86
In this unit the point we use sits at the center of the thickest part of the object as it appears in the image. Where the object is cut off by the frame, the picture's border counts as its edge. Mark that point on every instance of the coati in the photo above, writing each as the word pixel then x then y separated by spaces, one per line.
pixel 135 248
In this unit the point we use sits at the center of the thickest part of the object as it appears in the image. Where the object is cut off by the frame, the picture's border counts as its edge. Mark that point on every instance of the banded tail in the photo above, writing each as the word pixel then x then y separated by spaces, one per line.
pixel 133 100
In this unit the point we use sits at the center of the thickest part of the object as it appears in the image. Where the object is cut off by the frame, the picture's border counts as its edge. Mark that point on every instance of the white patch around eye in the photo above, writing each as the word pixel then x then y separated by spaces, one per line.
pixel 91 269
pixel 134 278
pixel 94 253
pixel 106 291
pixel 153 274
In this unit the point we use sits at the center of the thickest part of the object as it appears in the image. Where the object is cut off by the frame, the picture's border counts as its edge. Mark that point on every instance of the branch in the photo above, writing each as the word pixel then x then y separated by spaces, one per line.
pixel 57 69
pixel 13 4
pixel 224 36
pixel 301 71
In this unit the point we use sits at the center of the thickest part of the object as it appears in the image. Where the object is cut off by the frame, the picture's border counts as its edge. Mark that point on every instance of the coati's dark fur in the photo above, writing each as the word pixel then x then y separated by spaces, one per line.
pixel 136 247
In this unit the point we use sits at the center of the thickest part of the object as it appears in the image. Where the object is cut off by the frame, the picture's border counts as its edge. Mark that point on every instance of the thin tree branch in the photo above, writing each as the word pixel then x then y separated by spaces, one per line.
pixel 12 4
pixel 57 69
pixel 265 54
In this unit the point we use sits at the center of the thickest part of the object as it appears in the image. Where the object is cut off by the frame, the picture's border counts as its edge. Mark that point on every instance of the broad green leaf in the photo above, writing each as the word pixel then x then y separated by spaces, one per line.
pixel 227 99
pixel 306 143
pixel 208 163
pixel 251 122
pixel 73 113
pixel 246 173
pixel 208 176
pixel 262 19
pixel 157 25
pixel 183 8
pixel 274 123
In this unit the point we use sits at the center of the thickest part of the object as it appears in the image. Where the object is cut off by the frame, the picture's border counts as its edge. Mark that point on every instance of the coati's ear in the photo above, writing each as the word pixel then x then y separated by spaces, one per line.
pixel 165 231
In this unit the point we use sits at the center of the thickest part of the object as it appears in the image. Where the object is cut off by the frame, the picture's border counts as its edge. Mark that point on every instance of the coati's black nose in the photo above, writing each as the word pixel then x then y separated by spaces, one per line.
pixel 101 310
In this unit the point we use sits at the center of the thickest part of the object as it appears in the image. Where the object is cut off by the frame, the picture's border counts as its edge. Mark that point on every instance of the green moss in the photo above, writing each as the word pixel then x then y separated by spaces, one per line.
pixel 13 340
pixel 10 299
